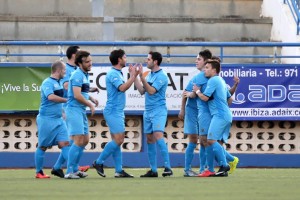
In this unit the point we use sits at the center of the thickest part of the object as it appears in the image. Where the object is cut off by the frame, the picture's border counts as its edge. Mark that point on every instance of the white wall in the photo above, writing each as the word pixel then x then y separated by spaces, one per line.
pixel 284 27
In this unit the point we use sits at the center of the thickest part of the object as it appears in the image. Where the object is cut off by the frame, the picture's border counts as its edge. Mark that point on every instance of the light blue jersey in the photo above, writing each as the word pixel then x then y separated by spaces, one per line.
pixel 115 99
pixel 191 102
pixel 201 81
pixel 78 79
pixel 115 104
pixel 191 112
pixel 158 80
pixel 69 70
pixel 49 108
pixel 204 116
pixel 51 127
pixel 218 92
pixel 155 115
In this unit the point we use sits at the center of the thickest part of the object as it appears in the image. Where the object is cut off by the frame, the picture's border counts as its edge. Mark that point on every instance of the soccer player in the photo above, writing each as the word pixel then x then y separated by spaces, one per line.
pixel 204 118
pixel 77 122
pixel 154 86
pixel 114 112
pixel 52 129
pixel 195 120
pixel 70 68
pixel 232 160
pixel 217 95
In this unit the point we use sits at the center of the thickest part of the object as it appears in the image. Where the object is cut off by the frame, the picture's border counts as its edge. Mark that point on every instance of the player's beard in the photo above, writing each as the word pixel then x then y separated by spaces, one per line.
pixel 123 64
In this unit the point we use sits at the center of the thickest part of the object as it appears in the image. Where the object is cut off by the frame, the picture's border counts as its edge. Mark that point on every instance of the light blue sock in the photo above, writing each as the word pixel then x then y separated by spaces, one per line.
pixel 152 156
pixel 210 158
pixel 219 153
pixel 39 159
pixel 164 152
pixel 63 156
pixel 59 162
pixel 202 158
pixel 189 155
pixel 79 156
pixel 107 151
pixel 228 156
pixel 65 152
pixel 117 156
pixel 73 156
pixel 76 166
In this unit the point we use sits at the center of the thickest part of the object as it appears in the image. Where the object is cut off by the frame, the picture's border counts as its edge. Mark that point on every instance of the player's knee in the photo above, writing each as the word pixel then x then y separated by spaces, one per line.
pixel 86 141
pixel 63 144
pixel 43 148
pixel 120 141
pixel 193 138
pixel 210 142
pixel 203 141
pixel 150 139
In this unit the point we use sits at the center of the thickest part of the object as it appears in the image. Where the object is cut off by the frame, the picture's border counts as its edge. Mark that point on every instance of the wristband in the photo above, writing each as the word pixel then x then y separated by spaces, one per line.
pixel 198 91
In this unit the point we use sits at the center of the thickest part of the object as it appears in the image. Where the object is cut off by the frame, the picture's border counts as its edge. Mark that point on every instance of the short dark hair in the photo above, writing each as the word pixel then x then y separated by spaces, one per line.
pixel 56 66
pixel 115 55
pixel 156 56
pixel 216 58
pixel 79 55
pixel 214 64
pixel 71 50
pixel 205 54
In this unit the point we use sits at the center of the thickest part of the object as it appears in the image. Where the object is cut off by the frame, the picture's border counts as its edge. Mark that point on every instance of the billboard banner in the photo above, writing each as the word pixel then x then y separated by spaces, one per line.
pixel 20 87
pixel 265 92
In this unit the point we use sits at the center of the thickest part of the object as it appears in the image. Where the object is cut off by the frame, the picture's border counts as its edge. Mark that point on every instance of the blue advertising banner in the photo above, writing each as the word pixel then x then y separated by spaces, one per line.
pixel 265 92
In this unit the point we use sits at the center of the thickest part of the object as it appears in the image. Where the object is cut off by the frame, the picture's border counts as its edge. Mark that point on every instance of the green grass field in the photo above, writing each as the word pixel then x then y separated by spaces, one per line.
pixel 243 184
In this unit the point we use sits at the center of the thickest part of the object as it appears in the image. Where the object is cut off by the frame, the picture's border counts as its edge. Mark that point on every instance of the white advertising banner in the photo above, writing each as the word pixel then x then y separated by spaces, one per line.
pixel 178 80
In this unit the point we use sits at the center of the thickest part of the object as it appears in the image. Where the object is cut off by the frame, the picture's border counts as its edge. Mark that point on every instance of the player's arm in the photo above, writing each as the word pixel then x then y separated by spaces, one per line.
pixel 201 95
pixel 139 86
pixel 229 100
pixel 95 101
pixel 57 99
pixel 197 91
pixel 234 87
pixel 66 85
pixel 138 83
pixel 133 71
pixel 148 88
pixel 182 109
pixel 55 96
pixel 94 89
pixel 80 98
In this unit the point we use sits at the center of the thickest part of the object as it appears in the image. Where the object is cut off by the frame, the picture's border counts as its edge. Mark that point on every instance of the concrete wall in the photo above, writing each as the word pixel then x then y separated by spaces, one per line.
pixel 129 8
pixel 284 27
pixel 152 29
pixel 134 20
pixel 186 8
pixel 156 20
pixel 46 8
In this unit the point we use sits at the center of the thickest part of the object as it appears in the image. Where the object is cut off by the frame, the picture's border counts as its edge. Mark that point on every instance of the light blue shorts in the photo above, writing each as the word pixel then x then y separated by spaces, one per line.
pixel 115 121
pixel 77 121
pixel 219 129
pixel 51 131
pixel 226 134
pixel 155 120
pixel 204 120
pixel 190 121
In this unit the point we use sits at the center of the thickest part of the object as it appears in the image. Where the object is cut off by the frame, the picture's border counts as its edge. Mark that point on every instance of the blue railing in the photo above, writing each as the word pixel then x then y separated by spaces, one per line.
pixel 221 45
pixel 294 6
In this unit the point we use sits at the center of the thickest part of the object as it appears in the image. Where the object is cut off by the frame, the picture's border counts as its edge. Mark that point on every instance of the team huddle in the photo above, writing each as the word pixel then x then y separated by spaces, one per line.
pixel 62 118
